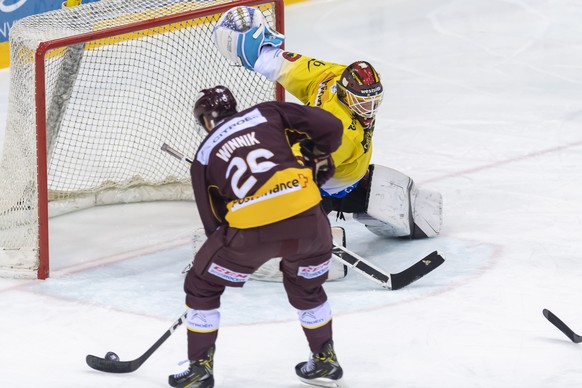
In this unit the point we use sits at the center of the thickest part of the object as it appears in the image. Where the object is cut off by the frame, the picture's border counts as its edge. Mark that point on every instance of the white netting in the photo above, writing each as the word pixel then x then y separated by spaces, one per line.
pixel 110 105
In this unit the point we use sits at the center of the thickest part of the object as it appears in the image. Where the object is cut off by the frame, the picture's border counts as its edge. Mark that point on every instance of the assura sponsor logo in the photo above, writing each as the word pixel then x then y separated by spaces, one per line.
pixel 8 6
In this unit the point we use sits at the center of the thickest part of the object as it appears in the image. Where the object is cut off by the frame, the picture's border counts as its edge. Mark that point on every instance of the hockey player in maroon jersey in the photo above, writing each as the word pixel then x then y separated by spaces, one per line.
pixel 387 201
pixel 257 201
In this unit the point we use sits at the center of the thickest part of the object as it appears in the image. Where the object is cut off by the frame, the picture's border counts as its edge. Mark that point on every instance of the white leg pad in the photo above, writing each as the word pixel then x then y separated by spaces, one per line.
pixel 397 208
pixel 337 270
pixel 269 272
pixel 427 210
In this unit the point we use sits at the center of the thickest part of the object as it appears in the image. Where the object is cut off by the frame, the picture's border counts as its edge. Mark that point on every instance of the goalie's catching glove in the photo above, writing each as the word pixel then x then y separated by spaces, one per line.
pixel 320 163
pixel 241 33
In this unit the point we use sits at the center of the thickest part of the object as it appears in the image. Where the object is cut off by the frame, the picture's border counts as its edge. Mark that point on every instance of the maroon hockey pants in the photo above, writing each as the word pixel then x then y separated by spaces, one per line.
pixel 229 256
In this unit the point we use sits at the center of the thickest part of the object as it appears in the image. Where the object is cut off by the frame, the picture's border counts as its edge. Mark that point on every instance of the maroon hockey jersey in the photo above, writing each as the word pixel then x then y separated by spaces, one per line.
pixel 245 174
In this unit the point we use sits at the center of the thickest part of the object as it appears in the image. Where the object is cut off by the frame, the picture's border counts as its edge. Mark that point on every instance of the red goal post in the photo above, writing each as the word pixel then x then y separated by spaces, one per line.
pixel 95 90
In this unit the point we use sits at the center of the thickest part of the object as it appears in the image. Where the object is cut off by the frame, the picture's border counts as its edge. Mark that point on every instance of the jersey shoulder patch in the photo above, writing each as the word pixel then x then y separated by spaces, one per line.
pixel 291 57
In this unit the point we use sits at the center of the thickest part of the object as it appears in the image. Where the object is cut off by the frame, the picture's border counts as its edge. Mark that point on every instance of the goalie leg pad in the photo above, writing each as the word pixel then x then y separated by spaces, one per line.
pixel 271 270
pixel 241 33
pixel 397 208
pixel 427 212
pixel 337 270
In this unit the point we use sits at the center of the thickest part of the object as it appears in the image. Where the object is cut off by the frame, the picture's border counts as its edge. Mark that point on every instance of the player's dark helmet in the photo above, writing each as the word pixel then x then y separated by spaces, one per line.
pixel 360 89
pixel 215 104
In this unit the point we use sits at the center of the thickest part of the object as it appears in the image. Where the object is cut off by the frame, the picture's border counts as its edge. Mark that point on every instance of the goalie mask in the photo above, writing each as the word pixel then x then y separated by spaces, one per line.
pixel 360 89
pixel 214 104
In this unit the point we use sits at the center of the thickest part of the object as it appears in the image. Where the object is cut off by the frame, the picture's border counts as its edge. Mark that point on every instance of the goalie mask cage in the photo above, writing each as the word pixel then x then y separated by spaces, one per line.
pixel 95 90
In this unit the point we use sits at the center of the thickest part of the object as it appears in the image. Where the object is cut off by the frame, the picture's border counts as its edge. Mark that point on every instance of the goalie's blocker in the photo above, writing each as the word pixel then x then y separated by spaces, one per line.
pixel 241 33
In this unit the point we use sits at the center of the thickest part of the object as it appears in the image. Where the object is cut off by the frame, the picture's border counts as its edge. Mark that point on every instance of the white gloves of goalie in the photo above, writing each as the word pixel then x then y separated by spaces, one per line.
pixel 241 33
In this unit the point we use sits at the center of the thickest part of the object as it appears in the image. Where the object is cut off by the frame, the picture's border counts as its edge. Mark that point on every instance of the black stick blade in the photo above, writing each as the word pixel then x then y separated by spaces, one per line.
pixel 116 366
pixel 111 366
pixel 562 326
pixel 416 271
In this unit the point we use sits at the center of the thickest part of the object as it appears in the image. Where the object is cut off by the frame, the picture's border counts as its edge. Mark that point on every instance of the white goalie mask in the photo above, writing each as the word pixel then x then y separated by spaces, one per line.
pixel 360 89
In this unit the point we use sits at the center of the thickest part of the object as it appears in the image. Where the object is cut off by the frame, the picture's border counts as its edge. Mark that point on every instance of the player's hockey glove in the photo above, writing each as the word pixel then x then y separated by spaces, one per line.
pixel 320 163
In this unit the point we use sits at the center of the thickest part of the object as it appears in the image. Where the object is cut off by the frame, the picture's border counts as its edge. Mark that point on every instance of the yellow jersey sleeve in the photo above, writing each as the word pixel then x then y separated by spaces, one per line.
pixel 313 82
pixel 306 78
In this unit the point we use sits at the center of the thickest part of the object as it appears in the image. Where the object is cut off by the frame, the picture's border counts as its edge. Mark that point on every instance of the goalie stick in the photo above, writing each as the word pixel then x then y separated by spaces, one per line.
pixel 387 280
pixel 359 264
pixel 116 366
pixel 562 326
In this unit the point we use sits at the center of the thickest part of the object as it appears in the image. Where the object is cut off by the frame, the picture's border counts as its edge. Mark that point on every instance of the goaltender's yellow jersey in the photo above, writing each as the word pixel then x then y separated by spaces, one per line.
pixel 313 82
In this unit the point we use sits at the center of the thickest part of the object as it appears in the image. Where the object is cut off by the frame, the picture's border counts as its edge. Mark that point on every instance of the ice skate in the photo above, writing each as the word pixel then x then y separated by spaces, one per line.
pixel 322 369
pixel 198 375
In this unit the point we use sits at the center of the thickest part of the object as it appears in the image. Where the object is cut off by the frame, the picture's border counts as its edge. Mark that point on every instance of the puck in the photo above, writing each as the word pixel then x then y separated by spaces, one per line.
pixel 111 356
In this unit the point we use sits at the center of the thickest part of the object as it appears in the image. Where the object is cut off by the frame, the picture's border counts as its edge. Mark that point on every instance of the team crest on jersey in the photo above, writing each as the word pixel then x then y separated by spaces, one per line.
pixel 291 57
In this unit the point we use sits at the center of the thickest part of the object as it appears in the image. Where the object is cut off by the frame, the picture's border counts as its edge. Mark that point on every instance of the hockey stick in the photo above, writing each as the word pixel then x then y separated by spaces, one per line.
pixel 115 366
pixel 562 326
pixel 175 153
pixel 387 280
pixel 359 264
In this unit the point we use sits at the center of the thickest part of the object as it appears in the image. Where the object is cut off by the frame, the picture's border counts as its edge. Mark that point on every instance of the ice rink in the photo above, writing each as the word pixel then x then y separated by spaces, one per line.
pixel 484 104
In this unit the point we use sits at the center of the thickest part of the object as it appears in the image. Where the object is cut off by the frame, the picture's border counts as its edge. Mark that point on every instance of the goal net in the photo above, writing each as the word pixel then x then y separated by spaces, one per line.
pixel 95 91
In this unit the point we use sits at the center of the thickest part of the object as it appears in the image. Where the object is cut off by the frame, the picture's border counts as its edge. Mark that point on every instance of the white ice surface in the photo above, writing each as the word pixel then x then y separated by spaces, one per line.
pixel 484 104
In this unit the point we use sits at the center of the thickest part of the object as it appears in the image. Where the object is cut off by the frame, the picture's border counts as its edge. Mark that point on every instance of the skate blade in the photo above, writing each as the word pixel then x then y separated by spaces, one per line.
pixel 322 382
